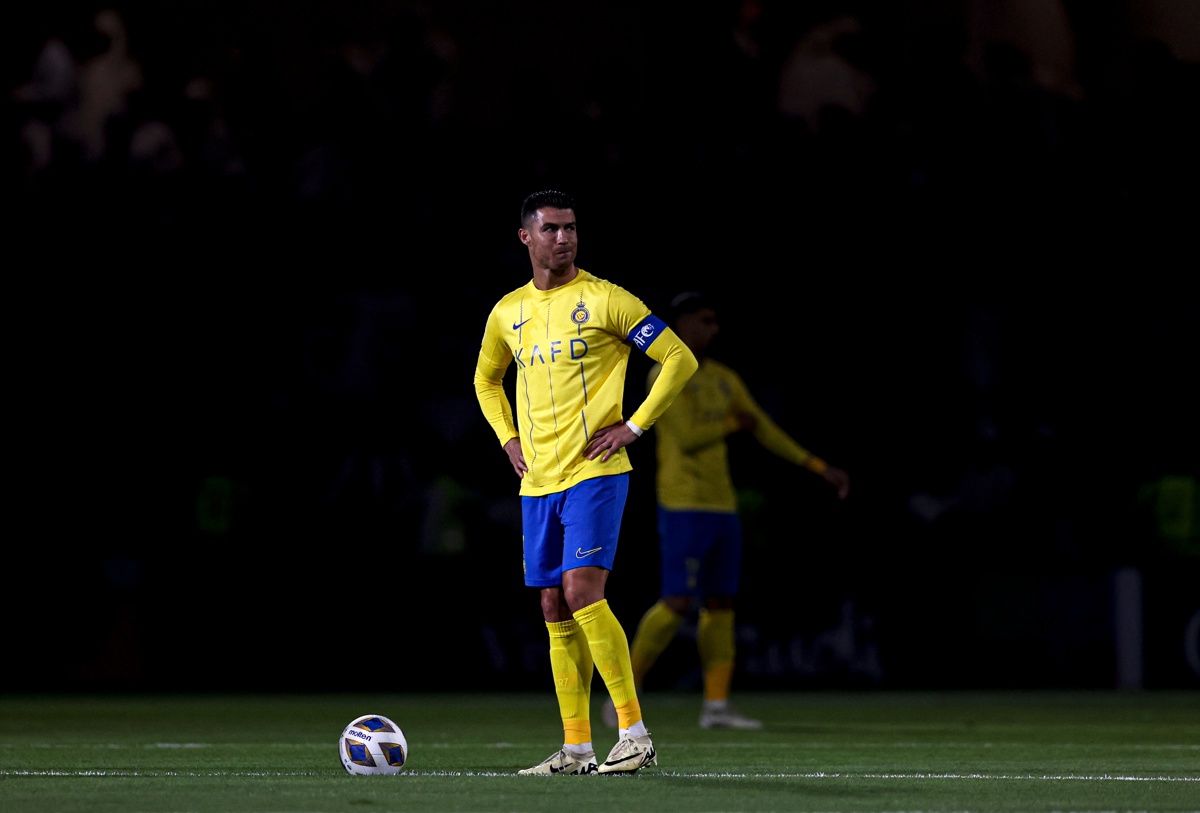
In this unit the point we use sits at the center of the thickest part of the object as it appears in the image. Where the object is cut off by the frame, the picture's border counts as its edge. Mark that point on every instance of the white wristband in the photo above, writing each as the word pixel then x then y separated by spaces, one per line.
pixel 633 427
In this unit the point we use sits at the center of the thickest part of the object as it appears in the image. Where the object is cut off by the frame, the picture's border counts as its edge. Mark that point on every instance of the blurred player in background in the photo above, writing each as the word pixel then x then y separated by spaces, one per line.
pixel 700 533
pixel 570 335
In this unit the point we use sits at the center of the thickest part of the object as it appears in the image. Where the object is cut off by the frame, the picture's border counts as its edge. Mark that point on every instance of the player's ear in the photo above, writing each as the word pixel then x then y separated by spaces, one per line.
pixel 523 235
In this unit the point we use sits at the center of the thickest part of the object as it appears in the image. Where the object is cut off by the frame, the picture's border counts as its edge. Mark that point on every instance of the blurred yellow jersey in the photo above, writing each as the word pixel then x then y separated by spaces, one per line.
pixel 571 348
pixel 693 459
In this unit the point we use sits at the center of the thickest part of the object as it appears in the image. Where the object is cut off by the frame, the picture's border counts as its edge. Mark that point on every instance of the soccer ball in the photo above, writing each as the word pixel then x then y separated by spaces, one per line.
pixel 373 744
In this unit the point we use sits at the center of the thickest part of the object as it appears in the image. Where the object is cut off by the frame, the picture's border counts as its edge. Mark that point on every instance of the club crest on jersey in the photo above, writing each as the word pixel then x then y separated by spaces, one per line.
pixel 580 314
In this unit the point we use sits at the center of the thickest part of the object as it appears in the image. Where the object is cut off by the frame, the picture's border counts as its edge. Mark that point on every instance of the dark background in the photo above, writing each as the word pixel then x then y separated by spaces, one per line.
pixel 251 247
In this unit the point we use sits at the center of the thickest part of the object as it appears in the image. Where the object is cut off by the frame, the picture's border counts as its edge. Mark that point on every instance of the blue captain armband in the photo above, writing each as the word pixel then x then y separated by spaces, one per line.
pixel 646 331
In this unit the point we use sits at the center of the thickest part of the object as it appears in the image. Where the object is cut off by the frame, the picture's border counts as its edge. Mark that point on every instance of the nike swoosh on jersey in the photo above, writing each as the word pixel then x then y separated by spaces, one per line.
pixel 517 325
pixel 580 553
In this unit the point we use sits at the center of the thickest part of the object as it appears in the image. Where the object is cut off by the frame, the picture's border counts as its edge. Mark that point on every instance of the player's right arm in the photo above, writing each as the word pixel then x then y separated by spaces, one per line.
pixel 491 365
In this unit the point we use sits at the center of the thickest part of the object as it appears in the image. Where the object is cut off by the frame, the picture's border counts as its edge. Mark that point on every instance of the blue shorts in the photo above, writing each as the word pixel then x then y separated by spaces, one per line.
pixel 573 528
pixel 700 553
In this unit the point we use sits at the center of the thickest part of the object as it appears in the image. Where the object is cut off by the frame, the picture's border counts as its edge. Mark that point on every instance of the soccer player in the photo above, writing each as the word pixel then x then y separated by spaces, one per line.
pixel 570 335
pixel 700 534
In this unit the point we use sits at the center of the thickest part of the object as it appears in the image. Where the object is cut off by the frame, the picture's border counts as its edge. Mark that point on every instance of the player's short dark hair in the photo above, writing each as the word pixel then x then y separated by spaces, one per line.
pixel 688 302
pixel 548 197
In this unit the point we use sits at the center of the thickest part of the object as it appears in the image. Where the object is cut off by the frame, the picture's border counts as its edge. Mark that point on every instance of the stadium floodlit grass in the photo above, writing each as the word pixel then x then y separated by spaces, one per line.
pixel 819 751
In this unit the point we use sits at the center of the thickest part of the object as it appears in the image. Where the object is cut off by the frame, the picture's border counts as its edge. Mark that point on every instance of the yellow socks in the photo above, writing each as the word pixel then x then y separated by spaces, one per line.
pixel 715 640
pixel 654 632
pixel 610 650
pixel 571 662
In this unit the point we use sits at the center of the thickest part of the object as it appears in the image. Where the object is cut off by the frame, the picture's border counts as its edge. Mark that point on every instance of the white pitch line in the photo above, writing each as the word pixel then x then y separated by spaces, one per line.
pixel 673 774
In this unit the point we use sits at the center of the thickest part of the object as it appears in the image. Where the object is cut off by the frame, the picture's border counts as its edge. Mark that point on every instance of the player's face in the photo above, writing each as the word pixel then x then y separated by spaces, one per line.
pixel 699 329
pixel 552 239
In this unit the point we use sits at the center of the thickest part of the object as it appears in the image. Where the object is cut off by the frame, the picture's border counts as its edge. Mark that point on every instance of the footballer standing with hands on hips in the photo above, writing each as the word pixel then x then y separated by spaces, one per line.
pixel 570 335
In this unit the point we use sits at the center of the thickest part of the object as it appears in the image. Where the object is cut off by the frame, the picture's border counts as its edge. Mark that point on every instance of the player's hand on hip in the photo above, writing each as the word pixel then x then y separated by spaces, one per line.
pixel 516 456
pixel 608 440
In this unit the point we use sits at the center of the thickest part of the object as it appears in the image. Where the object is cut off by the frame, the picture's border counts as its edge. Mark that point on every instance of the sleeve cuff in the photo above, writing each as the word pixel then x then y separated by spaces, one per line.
pixel 637 430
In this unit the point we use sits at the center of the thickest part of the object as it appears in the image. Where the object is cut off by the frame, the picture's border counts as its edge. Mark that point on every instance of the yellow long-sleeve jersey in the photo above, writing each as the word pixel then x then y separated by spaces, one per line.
pixel 571 347
pixel 693 458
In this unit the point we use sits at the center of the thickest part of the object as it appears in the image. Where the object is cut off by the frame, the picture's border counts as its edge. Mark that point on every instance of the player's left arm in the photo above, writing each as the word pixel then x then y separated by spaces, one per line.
pixel 774 439
pixel 651 335
pixel 678 364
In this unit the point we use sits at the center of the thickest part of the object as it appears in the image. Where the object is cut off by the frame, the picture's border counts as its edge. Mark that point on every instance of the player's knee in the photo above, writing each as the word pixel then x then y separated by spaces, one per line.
pixel 680 605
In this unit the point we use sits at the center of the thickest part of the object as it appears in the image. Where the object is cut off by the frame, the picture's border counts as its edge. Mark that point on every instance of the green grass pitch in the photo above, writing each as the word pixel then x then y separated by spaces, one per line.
pixel 820 752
